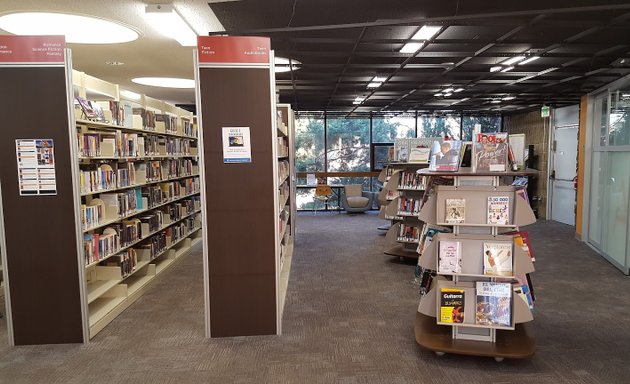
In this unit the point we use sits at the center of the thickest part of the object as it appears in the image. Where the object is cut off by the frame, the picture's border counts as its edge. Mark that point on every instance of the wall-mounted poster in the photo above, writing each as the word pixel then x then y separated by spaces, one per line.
pixel 237 147
pixel 36 167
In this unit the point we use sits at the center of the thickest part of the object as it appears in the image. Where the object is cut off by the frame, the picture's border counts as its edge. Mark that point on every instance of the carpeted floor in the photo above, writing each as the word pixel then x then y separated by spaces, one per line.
pixel 348 319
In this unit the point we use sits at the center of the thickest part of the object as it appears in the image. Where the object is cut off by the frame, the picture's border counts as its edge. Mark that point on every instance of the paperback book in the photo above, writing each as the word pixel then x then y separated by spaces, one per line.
pixel 452 305
pixel 494 304
pixel 490 152
pixel 420 149
pixel 449 259
pixel 428 234
pixel 498 210
pixel 455 211
pixel 401 150
pixel 497 259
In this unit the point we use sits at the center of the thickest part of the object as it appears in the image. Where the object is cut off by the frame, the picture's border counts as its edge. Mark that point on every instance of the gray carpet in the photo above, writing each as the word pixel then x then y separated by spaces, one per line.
pixel 348 319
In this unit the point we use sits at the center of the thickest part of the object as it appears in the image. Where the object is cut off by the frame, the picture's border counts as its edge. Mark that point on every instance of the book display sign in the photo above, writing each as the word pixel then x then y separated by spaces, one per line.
pixel 32 49
pixel 36 167
pixel 237 146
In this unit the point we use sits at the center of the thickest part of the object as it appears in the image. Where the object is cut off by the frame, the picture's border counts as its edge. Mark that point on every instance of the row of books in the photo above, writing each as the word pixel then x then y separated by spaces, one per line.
pixel 411 180
pixel 498 210
pixel 413 150
pixel 283 146
pixel 408 205
pixel 129 145
pixel 94 178
pixel 493 304
pixel 98 246
pixel 283 170
pixel 408 233
pixel 497 258
pixel 126 260
pixel 392 194
pixel 111 206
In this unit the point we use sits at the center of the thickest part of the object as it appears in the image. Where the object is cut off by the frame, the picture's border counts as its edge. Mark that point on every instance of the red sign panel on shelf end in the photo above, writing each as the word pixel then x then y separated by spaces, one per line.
pixel 233 49
pixel 32 49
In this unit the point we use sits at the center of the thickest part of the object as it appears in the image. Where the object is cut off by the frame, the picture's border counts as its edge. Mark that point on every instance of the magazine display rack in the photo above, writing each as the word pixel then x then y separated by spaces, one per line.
pixel 403 194
pixel 455 315
pixel 386 194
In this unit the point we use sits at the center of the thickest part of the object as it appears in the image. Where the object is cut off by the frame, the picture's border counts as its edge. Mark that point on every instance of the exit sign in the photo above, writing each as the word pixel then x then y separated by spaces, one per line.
pixel 544 111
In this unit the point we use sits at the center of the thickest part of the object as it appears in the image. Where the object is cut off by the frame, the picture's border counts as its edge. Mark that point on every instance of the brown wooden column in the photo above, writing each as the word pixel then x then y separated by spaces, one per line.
pixel 40 231
pixel 240 210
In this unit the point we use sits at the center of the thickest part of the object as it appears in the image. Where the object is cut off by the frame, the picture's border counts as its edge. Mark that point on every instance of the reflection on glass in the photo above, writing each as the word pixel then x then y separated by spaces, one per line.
pixel 380 153
pixel 348 144
pixel 597 188
pixel 619 133
pixel 489 124
pixel 386 129
pixel 616 206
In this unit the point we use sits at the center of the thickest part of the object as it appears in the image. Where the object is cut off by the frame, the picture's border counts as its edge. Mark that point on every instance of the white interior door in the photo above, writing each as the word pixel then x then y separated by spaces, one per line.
pixel 564 170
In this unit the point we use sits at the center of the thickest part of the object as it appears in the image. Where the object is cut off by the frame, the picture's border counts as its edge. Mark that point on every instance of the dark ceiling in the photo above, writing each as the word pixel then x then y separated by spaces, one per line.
pixel 343 44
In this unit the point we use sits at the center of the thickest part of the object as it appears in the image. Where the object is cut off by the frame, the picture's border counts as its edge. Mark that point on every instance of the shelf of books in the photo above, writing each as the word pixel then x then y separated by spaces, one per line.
pixel 474 262
pixel 139 185
pixel 286 197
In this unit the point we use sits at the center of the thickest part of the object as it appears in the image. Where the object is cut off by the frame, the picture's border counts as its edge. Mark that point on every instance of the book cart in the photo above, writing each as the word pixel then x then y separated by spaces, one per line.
pixel 470 337
pixel 403 197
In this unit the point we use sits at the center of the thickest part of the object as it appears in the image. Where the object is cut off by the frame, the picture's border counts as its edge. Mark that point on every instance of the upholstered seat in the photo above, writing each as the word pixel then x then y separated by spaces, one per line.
pixel 354 199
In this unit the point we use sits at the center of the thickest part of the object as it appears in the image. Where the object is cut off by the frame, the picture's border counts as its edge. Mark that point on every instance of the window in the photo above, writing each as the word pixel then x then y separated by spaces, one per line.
pixel 348 144
pixel 309 142
pixel 386 129
pixel 489 124
pixel 439 126
pixel 619 120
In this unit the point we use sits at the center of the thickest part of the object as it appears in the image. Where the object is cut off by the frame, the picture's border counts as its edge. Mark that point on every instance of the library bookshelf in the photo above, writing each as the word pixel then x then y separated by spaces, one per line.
pixel 472 326
pixel 403 195
pixel 122 204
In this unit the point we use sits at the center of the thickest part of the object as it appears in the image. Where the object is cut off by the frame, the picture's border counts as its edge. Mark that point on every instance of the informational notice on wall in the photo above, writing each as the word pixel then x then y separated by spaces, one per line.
pixel 36 167
pixel 237 147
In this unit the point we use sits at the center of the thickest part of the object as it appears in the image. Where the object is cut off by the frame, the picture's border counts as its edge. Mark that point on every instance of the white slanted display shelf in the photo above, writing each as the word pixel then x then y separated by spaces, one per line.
pixel 116 201
pixel 456 315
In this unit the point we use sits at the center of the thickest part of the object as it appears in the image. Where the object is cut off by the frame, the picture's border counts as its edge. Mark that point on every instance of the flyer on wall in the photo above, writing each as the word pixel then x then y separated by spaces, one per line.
pixel 36 167
pixel 237 147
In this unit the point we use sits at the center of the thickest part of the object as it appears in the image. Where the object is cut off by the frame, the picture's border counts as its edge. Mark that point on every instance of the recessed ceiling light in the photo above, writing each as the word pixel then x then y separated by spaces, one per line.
pixel 513 60
pixel 170 23
pixel 374 84
pixel 529 60
pixel 77 29
pixel 114 63
pixel 166 82
pixel 506 69
pixel 130 95
pixel 496 68
pixel 411 47
pixel 282 64
pixel 425 33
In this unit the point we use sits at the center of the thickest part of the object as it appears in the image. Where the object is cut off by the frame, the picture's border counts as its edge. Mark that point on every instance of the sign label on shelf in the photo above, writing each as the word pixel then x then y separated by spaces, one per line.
pixel 237 50
pixel 32 49
pixel 237 146
pixel 36 167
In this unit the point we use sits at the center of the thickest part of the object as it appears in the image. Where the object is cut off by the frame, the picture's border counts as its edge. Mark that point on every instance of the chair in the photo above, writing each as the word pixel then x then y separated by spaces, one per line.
pixel 354 199
pixel 323 193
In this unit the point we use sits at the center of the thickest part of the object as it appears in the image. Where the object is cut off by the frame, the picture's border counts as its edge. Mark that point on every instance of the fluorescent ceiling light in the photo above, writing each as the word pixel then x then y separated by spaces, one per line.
pixel 425 33
pixel 506 69
pixel 77 29
pixel 282 64
pixel 374 84
pixel 437 95
pixel 169 23
pixel 358 100
pixel 447 94
pixel 529 60
pixel 166 82
pixel 495 101
pixel 448 90
pixel 411 47
pixel 458 90
pixel 513 60
pixel 379 79
pixel 496 68
pixel 130 95
pixel 509 98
